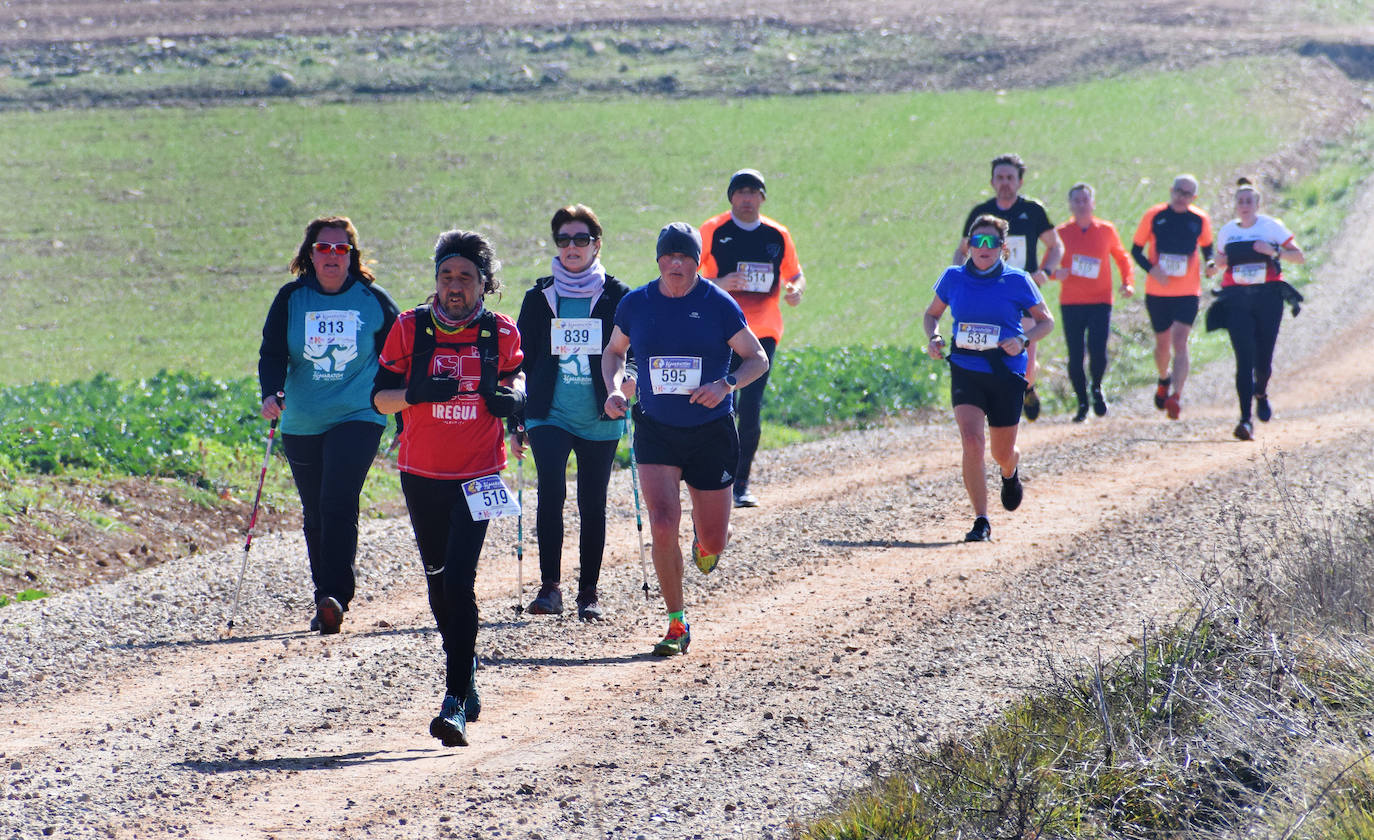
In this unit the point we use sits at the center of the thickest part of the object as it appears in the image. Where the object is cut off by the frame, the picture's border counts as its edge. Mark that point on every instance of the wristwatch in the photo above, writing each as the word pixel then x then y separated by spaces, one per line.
pixel 731 381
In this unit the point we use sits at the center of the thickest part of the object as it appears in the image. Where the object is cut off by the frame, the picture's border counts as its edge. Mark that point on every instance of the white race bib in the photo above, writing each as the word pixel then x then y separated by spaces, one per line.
pixel 575 337
pixel 758 277
pixel 971 336
pixel 1175 265
pixel 331 340
pixel 1016 247
pixel 674 374
pixel 1086 266
pixel 488 498
pixel 1250 274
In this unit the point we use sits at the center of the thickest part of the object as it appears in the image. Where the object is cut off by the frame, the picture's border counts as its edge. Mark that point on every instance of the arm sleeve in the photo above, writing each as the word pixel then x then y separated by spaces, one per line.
pixel 389 313
pixel 707 268
pixel 524 322
pixel 1123 263
pixel 273 353
pixel 1138 253
pixel 508 344
pixel 791 266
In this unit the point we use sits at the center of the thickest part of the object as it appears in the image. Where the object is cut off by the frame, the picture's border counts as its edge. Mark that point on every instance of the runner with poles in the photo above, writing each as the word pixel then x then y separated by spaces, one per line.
pixel 565 321
pixel 682 329
pixel 253 517
pixel 319 347
pixel 451 367
pixel 987 364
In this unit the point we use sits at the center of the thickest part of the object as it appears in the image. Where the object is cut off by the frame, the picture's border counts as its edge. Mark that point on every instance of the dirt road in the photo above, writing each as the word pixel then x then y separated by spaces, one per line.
pixel 846 619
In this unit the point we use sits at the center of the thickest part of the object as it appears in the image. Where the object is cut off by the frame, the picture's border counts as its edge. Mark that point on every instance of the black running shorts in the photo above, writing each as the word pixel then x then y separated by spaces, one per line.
pixel 708 455
pixel 999 397
pixel 1164 311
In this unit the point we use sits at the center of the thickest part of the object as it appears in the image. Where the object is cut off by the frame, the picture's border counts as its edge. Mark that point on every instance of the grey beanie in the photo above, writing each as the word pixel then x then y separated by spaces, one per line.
pixel 679 238
pixel 745 178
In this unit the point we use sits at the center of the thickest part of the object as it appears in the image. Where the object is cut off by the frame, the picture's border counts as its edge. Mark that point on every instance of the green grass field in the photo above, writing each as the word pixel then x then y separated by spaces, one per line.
pixel 143 239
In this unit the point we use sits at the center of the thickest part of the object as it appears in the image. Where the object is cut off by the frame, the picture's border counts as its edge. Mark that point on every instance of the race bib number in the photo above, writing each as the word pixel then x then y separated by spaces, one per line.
pixel 1086 266
pixel 674 374
pixel 488 498
pixel 1250 274
pixel 331 340
pixel 971 336
pixel 1174 265
pixel 758 277
pixel 575 336
pixel 1016 252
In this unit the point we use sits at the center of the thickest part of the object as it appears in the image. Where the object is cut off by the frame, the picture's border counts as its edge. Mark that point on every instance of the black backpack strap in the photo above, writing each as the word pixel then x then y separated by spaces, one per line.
pixel 489 349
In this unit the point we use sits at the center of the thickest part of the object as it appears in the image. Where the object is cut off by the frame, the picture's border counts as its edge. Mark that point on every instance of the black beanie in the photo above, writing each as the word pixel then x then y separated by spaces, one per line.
pixel 679 238
pixel 745 178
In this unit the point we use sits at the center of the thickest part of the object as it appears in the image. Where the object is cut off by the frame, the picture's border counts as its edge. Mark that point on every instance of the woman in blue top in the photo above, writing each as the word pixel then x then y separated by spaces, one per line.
pixel 682 328
pixel 565 321
pixel 986 299
pixel 319 347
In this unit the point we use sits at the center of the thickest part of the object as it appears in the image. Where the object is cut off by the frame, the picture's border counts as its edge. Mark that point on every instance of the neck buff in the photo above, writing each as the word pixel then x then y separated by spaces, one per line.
pixel 746 227
pixel 584 284
pixel 995 268
pixel 447 324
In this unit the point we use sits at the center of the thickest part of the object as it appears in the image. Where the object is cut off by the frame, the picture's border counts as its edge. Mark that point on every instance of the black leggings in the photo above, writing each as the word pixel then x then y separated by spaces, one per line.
pixel 329 470
pixel 551 446
pixel 1094 320
pixel 450 543
pixel 1253 315
pixel 748 408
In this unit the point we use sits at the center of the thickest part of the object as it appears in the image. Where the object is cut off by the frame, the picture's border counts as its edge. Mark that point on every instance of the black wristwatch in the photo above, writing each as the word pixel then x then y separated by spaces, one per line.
pixel 731 381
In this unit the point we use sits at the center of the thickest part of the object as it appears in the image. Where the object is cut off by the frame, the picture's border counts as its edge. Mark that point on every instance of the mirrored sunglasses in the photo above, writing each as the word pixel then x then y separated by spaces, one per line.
pixel 985 240
pixel 340 248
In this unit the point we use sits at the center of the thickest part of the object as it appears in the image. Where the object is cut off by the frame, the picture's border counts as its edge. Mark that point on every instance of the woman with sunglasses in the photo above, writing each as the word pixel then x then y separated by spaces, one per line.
pixel 315 368
pixel 565 322
pixel 1250 252
pixel 986 299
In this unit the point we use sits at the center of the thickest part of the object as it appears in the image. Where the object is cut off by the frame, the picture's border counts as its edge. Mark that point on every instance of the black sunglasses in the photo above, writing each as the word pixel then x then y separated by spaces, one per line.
pixel 581 240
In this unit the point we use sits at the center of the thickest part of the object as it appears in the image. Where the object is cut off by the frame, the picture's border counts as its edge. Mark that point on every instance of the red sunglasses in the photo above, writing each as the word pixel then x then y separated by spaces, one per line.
pixel 340 248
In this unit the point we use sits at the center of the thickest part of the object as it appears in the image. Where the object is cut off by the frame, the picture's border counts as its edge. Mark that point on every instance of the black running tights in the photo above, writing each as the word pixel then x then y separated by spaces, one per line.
pixel 450 543
pixel 329 470
pixel 551 446
pixel 748 410
pixel 1093 320
pixel 1253 315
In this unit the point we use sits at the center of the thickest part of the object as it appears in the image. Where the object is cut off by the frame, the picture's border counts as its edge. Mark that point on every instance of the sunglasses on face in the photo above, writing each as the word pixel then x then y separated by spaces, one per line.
pixel 340 248
pixel 985 240
pixel 581 240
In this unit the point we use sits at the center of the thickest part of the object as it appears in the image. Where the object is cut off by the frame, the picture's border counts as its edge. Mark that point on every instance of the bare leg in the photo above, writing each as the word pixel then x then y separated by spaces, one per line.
pixel 1178 338
pixel 971 419
pixel 711 516
pixel 660 485
pixel 1002 442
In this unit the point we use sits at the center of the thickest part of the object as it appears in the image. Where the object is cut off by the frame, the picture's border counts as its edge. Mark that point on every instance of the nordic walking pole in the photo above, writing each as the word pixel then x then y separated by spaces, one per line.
pixel 520 534
pixel 639 518
pixel 253 518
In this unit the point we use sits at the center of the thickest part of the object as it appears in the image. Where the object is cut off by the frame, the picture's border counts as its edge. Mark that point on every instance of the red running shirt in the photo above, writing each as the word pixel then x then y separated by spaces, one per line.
pixel 458 439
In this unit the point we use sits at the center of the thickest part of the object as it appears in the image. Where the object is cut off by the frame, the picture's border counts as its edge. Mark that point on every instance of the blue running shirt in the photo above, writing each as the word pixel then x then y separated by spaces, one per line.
pixel 998 300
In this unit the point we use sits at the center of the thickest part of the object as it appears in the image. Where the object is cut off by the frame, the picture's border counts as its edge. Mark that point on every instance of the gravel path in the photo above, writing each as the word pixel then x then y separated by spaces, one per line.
pixel 845 620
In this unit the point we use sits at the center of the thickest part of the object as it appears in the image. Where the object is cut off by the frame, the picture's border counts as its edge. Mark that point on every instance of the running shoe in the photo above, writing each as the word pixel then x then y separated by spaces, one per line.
pixel 549 601
pixel 1162 392
pixel 1012 491
pixel 1262 408
pixel 315 624
pixel 705 562
pixel 746 499
pixel 1245 431
pixel 676 642
pixel 1081 414
pixel 1099 403
pixel 330 615
pixel 1031 406
pixel 588 608
pixel 472 704
pixel 1171 407
pixel 982 531
pixel 450 727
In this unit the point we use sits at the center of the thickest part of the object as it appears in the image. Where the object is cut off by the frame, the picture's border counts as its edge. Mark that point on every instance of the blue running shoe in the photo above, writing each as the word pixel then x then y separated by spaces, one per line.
pixel 450 727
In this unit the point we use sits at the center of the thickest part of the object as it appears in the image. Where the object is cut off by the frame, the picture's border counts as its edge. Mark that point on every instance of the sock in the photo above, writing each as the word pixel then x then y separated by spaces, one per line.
pixel 676 616
pixel 1009 478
